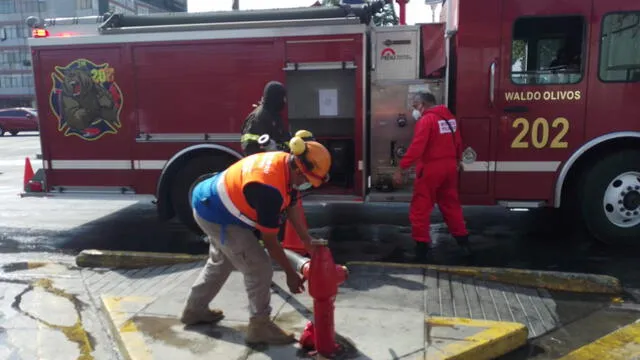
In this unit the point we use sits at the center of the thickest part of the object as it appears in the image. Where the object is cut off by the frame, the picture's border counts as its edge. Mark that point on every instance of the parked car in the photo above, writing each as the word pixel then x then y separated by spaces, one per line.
pixel 15 120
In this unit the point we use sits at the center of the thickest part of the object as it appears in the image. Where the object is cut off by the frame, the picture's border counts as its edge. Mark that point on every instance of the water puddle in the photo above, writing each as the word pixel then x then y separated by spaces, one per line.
pixel 75 333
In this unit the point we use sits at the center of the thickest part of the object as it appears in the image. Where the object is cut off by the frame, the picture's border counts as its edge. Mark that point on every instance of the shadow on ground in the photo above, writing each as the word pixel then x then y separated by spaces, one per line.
pixel 583 320
pixel 363 233
pixel 133 228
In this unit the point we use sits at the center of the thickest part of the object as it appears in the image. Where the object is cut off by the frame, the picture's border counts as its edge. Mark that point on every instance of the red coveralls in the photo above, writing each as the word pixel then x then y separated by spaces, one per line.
pixel 436 156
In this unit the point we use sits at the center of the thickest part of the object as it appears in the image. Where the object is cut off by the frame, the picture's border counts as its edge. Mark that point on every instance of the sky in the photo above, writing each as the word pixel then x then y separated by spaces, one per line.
pixel 417 11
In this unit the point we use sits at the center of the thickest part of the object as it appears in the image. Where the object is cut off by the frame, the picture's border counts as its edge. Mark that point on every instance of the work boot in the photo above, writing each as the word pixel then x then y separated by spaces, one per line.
pixel 193 317
pixel 422 251
pixel 263 330
pixel 463 243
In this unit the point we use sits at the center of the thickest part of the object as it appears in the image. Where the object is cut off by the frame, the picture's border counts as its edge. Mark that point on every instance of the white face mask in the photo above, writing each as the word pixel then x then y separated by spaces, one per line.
pixel 303 187
pixel 416 114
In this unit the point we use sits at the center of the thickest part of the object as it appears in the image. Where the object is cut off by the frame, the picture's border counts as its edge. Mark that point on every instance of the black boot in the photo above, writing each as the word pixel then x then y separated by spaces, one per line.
pixel 422 251
pixel 463 243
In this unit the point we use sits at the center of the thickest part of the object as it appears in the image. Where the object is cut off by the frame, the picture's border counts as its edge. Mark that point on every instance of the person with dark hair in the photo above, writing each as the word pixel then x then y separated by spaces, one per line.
pixel 436 150
pixel 567 59
pixel 266 119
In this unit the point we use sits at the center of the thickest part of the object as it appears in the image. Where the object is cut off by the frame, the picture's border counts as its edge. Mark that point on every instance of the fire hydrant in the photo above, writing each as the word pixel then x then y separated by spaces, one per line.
pixel 324 278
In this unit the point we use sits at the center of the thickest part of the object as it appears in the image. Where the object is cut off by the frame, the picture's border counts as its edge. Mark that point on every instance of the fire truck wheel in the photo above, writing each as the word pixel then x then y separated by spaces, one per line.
pixel 611 198
pixel 183 180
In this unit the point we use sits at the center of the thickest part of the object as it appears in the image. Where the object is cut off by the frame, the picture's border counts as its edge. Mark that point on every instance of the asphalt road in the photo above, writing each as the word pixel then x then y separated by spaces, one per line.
pixel 62 225
pixel 42 228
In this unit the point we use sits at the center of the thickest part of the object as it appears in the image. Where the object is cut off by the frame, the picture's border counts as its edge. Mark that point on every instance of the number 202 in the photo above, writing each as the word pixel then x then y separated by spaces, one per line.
pixel 540 133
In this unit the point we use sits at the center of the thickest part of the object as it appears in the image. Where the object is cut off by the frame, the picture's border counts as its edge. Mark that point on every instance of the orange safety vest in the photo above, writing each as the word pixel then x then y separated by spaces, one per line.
pixel 269 168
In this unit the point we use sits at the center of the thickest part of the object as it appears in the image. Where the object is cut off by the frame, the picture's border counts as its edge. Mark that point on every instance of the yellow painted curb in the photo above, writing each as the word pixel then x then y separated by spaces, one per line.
pixel 551 280
pixel 498 338
pixel 132 259
pixel 622 344
pixel 130 341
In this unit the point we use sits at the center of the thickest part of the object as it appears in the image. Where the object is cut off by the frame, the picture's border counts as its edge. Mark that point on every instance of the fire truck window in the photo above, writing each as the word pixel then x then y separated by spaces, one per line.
pixel 620 48
pixel 547 50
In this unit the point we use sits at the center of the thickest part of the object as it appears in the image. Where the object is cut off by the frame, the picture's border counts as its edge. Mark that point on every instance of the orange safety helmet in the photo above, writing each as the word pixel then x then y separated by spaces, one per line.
pixel 311 157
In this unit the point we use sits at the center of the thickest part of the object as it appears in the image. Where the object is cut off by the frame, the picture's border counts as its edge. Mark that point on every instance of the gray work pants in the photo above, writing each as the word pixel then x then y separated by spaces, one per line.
pixel 241 251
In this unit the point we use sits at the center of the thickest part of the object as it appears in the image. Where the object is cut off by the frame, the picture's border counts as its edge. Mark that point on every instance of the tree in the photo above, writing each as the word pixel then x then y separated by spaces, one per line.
pixel 384 18
pixel 518 52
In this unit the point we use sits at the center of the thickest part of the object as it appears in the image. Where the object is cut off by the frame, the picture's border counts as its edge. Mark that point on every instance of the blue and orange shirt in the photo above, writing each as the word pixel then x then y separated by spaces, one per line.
pixel 251 193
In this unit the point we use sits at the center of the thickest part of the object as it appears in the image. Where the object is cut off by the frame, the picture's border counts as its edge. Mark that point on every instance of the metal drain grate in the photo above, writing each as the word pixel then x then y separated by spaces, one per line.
pixel 456 296
pixel 442 294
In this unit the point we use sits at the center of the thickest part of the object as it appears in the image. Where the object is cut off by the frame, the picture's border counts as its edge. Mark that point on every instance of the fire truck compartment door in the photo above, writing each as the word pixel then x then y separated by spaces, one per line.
pixel 324 102
pixel 88 126
pixel 541 94
pixel 473 52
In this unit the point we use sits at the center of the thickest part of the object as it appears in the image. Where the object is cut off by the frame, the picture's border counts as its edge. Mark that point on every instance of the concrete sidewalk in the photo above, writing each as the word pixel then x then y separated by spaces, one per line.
pixel 382 312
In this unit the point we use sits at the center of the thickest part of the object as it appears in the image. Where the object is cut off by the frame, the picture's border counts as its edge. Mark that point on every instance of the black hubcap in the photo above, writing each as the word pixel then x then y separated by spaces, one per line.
pixel 631 200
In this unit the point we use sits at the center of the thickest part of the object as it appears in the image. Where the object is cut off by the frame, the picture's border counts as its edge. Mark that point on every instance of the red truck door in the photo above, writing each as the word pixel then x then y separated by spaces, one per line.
pixel 477 46
pixel 87 125
pixel 542 94
pixel 615 68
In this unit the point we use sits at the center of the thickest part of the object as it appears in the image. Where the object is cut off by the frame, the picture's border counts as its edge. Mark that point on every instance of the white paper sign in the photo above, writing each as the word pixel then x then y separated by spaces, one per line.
pixel 328 102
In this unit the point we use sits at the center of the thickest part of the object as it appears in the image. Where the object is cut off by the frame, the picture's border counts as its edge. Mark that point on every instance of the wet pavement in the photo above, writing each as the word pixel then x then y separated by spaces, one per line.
pixel 500 237
pixel 55 229
pixel 46 313
pixel 374 303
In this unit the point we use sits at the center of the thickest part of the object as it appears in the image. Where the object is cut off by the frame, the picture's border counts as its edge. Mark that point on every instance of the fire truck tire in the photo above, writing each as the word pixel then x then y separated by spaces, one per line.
pixel 183 180
pixel 610 197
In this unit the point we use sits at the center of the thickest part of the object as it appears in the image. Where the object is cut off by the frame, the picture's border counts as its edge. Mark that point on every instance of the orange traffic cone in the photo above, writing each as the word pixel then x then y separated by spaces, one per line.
pixel 291 239
pixel 28 172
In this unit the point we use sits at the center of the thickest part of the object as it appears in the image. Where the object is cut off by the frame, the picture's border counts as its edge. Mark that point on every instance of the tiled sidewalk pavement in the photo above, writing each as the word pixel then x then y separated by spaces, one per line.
pixel 375 303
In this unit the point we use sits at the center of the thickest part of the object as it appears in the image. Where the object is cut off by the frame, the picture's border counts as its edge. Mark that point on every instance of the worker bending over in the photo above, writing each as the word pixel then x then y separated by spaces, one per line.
pixel 435 149
pixel 228 206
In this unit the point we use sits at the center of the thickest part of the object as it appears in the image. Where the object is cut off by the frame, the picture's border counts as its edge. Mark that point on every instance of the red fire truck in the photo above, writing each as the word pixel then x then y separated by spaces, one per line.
pixel 547 94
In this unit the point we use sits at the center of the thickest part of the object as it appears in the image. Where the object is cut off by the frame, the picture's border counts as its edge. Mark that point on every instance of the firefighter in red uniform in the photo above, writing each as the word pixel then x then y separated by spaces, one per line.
pixel 435 149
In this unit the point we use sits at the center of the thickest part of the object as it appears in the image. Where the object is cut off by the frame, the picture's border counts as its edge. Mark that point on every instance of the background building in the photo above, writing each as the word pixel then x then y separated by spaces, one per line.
pixel 16 78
